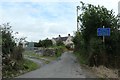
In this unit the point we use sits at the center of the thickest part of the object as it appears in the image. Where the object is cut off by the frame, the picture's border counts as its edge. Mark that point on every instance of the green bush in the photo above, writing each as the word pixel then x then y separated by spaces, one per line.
pixel 44 43
pixel 59 50
pixel 11 53
pixel 90 46
pixel 59 43
pixel 19 68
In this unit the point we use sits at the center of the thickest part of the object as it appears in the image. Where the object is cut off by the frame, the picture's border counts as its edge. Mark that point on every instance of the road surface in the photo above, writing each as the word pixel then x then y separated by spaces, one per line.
pixel 66 67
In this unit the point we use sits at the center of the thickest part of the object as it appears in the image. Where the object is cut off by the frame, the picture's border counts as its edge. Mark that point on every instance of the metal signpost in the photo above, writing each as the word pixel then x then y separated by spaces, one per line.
pixel 103 32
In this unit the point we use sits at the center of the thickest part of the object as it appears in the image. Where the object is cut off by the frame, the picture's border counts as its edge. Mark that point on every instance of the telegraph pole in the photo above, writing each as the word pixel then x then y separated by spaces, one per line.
pixel 103 36
pixel 78 8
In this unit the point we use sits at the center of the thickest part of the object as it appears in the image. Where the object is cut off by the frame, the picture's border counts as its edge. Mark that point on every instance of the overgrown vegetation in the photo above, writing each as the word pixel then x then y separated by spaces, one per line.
pixel 44 43
pixel 90 47
pixel 59 43
pixel 59 50
pixel 12 59
pixel 59 47
pixel 38 56
pixel 22 67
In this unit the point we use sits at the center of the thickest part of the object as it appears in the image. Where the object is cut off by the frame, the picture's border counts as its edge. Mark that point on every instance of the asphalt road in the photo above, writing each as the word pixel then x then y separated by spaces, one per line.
pixel 66 67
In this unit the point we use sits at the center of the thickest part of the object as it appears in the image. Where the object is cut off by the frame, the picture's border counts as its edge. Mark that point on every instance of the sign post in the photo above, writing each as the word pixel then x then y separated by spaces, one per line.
pixel 103 32
pixel 103 35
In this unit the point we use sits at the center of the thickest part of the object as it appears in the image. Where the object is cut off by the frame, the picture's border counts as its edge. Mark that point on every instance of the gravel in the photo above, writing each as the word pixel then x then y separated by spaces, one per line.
pixel 65 67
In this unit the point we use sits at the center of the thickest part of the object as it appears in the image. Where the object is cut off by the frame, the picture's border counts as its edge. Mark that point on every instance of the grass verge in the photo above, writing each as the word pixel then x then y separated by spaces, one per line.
pixel 100 72
pixel 20 68
pixel 32 54
pixel 58 52
pixel 81 58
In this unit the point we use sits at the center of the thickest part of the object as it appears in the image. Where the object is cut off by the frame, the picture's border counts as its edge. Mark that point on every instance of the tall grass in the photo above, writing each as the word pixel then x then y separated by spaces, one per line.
pixel 21 68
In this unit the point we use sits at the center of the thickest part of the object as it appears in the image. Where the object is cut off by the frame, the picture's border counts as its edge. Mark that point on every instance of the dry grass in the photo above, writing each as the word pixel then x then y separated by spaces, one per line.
pixel 101 72
pixel 104 72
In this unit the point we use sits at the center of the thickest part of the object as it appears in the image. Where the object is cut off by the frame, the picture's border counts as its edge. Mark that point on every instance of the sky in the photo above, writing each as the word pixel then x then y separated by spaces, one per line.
pixel 41 19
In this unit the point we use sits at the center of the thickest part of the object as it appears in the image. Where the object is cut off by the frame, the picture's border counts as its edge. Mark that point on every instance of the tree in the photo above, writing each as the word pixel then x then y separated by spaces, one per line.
pixel 44 43
pixel 78 41
pixel 8 42
pixel 59 43
pixel 11 53
pixel 94 17
pixel 40 43
pixel 47 43
pixel 91 18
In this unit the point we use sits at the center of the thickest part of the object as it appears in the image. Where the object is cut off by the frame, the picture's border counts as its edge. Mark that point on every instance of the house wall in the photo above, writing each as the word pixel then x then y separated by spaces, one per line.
pixel 53 41
pixel 69 40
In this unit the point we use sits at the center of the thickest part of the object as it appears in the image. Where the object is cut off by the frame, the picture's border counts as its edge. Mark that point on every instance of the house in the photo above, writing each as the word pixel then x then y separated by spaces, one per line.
pixel 66 40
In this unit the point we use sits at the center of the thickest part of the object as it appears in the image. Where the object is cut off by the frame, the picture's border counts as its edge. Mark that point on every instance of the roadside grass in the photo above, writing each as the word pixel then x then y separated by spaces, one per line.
pixel 100 72
pixel 32 54
pixel 22 67
pixel 58 52
pixel 30 65
pixel 81 58
pixel 59 47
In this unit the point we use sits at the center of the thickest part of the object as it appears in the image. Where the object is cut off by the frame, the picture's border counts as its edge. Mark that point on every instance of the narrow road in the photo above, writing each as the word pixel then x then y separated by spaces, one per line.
pixel 65 67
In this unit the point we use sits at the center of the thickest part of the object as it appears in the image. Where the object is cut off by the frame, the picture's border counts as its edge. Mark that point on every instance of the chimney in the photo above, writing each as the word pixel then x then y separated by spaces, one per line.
pixel 68 35
pixel 59 36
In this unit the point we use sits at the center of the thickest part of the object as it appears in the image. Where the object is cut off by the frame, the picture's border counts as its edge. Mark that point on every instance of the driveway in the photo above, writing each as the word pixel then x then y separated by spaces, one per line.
pixel 65 67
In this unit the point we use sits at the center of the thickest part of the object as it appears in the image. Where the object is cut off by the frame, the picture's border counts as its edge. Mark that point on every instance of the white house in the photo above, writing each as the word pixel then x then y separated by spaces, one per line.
pixel 66 40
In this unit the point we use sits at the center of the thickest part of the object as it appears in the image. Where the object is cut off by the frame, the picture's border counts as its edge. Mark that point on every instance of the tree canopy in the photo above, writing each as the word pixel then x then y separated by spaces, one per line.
pixel 11 52
pixel 44 43
pixel 87 41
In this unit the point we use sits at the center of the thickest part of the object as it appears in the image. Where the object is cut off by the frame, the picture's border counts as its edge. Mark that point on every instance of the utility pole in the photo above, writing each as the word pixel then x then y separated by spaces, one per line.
pixel 78 8
pixel 103 36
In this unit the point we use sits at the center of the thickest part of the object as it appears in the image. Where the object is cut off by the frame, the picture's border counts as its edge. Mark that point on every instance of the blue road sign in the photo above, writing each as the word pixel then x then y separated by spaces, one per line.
pixel 103 32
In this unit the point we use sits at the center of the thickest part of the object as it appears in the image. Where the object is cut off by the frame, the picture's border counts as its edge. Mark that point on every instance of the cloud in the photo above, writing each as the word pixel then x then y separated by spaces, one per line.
pixel 39 0
pixel 39 19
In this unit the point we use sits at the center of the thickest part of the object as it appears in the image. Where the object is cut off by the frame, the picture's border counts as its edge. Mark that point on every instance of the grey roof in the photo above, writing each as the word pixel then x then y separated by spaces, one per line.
pixel 56 39
pixel 61 38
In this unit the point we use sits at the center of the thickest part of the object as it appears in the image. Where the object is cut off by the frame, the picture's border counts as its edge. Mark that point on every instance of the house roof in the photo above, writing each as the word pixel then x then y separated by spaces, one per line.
pixel 60 38
pixel 63 38
pixel 56 39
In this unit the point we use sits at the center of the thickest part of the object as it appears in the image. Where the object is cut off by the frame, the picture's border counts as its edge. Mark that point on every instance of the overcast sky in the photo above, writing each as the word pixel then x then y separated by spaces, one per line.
pixel 41 19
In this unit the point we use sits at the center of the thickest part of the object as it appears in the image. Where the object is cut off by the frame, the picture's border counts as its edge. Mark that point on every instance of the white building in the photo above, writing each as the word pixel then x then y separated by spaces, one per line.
pixel 66 40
